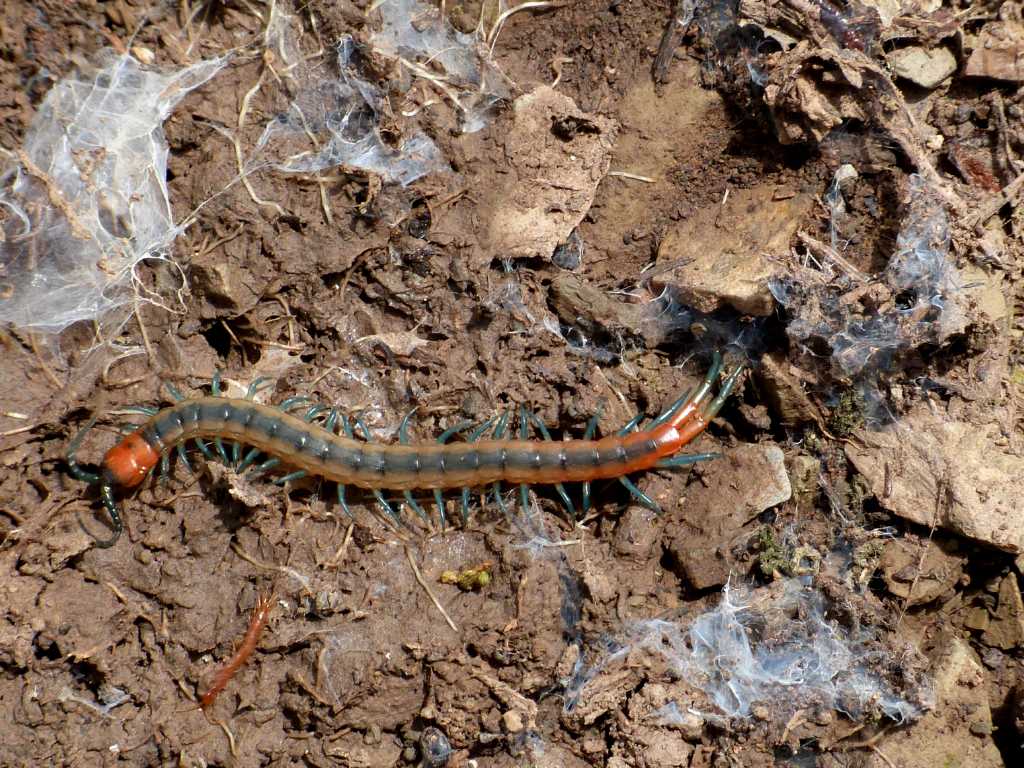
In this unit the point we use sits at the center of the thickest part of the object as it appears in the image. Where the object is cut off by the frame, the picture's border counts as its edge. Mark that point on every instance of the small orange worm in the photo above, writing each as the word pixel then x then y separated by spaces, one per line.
pixel 260 616
pixel 306 448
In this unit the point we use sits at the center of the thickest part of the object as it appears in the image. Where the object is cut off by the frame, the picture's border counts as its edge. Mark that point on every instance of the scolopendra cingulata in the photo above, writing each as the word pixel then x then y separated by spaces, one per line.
pixel 260 617
pixel 306 448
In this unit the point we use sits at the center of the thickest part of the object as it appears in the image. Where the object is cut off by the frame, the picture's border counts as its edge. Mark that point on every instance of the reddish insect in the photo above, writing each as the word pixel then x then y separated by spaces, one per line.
pixel 260 617
pixel 305 448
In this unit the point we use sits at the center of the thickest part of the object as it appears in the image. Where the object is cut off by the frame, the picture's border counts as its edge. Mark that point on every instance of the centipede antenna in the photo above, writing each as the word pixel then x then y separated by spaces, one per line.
pixel 215 384
pixel 290 402
pixel 110 504
pixel 631 425
pixel 205 449
pixel 76 471
pixel 254 386
pixel 415 507
pixel 165 468
pixel 250 457
pixel 183 458
pixel 642 497
pixel 174 392
pixel 296 475
pixel 439 501
pixel 127 429
pixel 403 428
pixel 219 445
pixel 264 467
pixel 686 460
pixel 343 503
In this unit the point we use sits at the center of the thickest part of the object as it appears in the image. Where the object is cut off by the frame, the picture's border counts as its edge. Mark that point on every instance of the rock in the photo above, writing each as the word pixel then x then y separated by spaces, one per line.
pixel 1005 627
pixel 736 489
pixel 784 392
pixel 637 533
pixel 952 474
pixel 580 305
pixel 722 254
pixel 956 731
pixel 556 156
pixel 512 721
pixel 998 52
pixel 920 573
pixel 926 67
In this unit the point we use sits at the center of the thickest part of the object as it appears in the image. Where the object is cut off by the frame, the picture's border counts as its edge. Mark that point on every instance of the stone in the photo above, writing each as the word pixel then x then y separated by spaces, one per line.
pixel 722 255
pixel 556 156
pixel 926 67
pixel 955 475
pixel 956 731
pixel 998 53
pixel 737 488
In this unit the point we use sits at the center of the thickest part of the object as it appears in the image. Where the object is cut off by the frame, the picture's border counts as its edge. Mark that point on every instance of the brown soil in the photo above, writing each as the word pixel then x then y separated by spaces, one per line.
pixel 381 301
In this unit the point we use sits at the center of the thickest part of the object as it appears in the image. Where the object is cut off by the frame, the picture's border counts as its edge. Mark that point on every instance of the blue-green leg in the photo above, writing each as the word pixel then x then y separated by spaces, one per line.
pixel 559 488
pixel 588 434
pixel 343 503
pixel 250 457
pixel 183 458
pixel 642 497
pixel 174 392
pixel 254 386
pixel 685 461
pixel 296 475
pixel 265 467
pixel 221 451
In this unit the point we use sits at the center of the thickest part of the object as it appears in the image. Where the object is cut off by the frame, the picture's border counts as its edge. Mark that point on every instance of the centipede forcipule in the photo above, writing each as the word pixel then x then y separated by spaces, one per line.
pixel 306 448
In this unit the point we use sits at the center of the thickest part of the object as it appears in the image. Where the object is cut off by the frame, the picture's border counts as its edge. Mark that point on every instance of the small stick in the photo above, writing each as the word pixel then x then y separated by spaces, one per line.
pixel 669 41
pixel 42 363
pixel 428 590
pixel 633 176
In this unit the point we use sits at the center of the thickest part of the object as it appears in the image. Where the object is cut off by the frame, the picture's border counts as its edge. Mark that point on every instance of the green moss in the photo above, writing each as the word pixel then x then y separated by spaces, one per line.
pixel 773 555
pixel 848 414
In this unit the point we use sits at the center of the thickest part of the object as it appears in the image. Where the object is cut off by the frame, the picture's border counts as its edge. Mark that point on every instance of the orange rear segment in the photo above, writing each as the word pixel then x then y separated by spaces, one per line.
pixel 129 461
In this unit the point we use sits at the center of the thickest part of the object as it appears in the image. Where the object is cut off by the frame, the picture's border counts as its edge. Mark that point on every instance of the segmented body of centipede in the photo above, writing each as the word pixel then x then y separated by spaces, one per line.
pixel 308 448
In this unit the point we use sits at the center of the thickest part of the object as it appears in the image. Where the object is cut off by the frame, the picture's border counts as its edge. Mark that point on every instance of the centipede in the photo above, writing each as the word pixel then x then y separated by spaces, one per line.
pixel 296 439
pixel 258 621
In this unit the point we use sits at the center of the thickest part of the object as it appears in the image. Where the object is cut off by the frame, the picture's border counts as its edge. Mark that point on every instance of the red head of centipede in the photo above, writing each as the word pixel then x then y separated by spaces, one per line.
pixel 127 463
